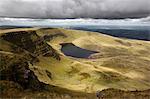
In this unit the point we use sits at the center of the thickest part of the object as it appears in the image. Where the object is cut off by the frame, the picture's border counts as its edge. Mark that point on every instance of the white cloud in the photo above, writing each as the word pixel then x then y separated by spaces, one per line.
pixel 75 8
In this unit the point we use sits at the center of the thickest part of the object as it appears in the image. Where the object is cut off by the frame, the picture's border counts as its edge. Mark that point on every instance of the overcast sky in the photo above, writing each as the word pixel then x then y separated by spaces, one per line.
pixel 75 8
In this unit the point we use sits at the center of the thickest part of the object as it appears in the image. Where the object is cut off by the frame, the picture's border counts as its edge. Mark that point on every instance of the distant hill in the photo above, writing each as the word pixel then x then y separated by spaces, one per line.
pixel 135 33
pixel 13 27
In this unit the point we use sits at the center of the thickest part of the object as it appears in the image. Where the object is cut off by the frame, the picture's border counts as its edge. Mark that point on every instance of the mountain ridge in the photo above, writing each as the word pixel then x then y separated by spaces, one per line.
pixel 120 64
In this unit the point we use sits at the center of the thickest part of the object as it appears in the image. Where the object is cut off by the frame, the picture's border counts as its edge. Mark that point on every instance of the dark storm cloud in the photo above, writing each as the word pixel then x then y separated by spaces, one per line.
pixel 75 8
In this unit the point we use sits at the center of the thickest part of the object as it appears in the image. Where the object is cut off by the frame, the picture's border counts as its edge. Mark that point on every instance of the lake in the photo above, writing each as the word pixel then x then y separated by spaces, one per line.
pixel 70 49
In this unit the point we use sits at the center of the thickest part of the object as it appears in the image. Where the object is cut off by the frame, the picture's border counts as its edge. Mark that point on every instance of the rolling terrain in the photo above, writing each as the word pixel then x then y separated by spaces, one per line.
pixel 33 64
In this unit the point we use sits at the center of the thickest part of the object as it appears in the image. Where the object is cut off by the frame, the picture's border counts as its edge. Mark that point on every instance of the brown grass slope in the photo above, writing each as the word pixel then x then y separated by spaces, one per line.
pixel 120 64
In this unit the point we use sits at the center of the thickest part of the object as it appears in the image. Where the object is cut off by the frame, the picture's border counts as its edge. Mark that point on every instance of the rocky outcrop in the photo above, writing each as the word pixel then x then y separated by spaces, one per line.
pixel 26 47
pixel 16 69
pixel 121 94
pixel 31 43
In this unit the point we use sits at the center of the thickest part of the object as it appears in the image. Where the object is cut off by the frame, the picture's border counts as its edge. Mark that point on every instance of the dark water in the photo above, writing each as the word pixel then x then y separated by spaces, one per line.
pixel 70 49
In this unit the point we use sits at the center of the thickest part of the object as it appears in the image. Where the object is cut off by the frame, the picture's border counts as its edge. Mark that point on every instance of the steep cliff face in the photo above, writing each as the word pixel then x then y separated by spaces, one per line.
pixel 29 41
pixel 19 49
pixel 15 68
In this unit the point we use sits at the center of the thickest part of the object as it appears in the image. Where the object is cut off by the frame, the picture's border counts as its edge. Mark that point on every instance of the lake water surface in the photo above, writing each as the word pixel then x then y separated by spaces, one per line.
pixel 70 49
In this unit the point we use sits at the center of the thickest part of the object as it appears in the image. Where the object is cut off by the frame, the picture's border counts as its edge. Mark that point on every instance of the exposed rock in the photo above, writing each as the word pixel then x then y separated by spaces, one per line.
pixel 27 46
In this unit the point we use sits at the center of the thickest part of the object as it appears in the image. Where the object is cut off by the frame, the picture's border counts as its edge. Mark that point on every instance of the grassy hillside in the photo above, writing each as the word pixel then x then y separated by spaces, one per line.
pixel 120 63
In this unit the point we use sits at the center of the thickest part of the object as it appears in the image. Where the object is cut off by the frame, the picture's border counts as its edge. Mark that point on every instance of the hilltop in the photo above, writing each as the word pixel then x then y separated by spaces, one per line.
pixel 32 58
